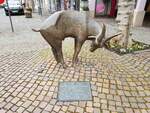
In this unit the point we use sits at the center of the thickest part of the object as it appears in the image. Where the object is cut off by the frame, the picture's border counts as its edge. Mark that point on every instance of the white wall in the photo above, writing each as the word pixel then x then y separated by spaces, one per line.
pixel 139 13
pixel 140 5
pixel 92 8
pixel 92 5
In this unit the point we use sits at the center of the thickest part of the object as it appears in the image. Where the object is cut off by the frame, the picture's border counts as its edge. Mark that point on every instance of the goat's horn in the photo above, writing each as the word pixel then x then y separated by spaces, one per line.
pixel 101 35
pixel 111 37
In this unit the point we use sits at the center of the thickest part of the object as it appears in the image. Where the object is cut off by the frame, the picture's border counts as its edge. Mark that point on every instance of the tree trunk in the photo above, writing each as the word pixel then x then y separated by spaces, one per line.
pixel 124 18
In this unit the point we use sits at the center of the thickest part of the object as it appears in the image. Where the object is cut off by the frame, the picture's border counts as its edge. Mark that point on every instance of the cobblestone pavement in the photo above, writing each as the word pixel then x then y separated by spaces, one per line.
pixel 29 77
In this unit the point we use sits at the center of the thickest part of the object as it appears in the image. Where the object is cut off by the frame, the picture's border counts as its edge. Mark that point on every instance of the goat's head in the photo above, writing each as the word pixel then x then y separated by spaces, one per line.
pixel 100 40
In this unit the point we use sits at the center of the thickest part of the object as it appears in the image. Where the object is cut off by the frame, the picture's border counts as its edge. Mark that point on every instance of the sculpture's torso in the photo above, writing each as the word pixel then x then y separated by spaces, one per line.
pixel 71 24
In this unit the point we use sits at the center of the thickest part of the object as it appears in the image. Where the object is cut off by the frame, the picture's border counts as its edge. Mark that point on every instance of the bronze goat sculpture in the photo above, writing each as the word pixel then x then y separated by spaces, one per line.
pixel 74 24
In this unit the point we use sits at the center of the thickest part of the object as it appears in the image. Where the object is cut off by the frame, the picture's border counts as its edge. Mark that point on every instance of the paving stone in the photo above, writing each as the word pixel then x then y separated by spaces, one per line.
pixel 61 112
pixel 32 97
pixel 141 105
pixel 20 110
pixel 105 111
pixel 126 104
pixel 53 101
pixel 120 109
pixel 97 105
pixel 89 103
pixel 43 104
pixel 15 100
pixel 57 108
pixel 64 108
pixel 137 111
pixel 134 105
pixel 71 108
pixel 111 102
pixel 45 112
pixel 2 111
pixel 36 103
pixel 112 108
pixel 8 106
pixel 20 95
pixel 9 111
pixel 79 110
pixel 129 110
pixel 14 108
pixel 37 110
pixel 104 106
pixel 25 112
pixel 89 109
pixel 96 110
pixel 27 104
pixel 49 108
pixel 82 104
pixel 31 108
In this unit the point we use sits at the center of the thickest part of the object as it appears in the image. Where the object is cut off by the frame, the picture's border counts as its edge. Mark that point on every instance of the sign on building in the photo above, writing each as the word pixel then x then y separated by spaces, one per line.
pixel 1 1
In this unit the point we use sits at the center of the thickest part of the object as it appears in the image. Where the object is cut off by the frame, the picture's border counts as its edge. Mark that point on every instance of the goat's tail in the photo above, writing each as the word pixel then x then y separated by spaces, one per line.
pixel 36 30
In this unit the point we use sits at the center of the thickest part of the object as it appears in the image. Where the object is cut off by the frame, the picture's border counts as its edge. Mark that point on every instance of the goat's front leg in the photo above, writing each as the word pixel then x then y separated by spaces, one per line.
pixel 60 54
pixel 55 55
pixel 78 45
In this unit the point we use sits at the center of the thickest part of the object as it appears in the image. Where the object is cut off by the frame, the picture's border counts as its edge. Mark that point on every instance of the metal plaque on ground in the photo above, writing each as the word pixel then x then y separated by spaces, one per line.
pixel 74 91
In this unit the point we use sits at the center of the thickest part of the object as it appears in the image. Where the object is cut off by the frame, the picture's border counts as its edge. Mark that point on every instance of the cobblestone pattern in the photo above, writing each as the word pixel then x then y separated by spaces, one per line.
pixel 120 84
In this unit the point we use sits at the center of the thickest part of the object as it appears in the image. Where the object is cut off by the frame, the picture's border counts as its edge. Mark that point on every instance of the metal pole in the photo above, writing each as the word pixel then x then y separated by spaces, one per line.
pixel 95 14
pixel 10 16
pixel 40 8
pixel 50 5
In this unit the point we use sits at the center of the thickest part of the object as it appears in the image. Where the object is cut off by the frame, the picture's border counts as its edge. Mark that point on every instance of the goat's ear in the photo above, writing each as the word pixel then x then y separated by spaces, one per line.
pixel 91 38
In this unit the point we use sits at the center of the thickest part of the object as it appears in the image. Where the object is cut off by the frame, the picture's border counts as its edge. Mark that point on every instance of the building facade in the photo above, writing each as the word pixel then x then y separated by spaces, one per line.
pixel 106 8
pixel 96 7
pixel 141 12
pixel 52 6
pixel 139 8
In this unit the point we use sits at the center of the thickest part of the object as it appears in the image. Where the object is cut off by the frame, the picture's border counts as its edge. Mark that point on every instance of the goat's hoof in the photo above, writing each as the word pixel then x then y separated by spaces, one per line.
pixel 64 66
pixel 73 64
pixel 57 63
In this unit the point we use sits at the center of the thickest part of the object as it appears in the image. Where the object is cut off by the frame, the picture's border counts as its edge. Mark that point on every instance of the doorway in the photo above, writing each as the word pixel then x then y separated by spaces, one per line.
pixel 146 22
pixel 106 8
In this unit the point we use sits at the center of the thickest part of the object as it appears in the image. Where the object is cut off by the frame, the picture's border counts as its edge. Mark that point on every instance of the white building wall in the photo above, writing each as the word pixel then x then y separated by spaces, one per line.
pixel 92 7
pixel 45 7
pixel 139 13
